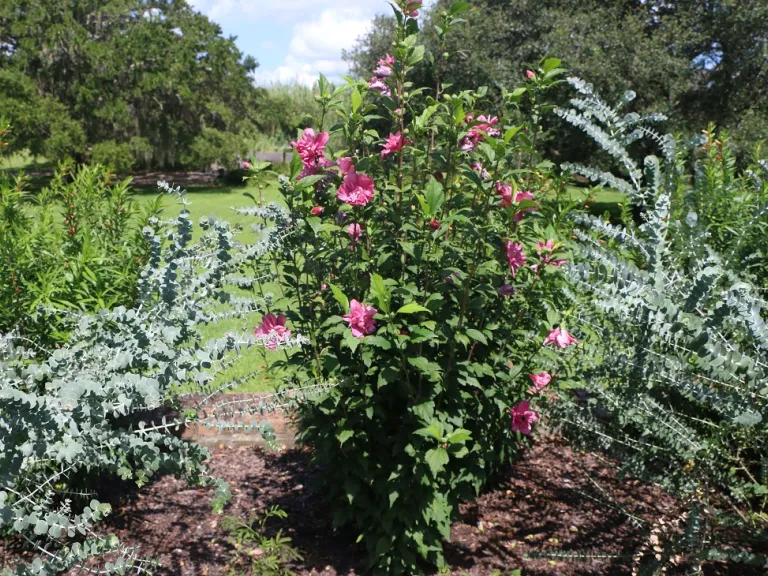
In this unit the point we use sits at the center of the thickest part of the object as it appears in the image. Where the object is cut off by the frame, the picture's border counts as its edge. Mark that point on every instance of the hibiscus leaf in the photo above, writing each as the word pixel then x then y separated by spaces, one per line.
pixel 434 430
pixel 423 203
pixel 340 297
pixel 422 120
pixel 412 308
pixel 351 341
pixel 344 435
pixel 435 196
pixel 458 8
pixel 295 165
pixel 509 134
pixel 458 436
pixel 308 181
pixel 429 369
pixel 458 114
pixel 357 99
pixel 551 64
pixel 477 335
pixel 380 291
pixel 518 92
pixel 378 341
pixel 387 376
pixel 436 459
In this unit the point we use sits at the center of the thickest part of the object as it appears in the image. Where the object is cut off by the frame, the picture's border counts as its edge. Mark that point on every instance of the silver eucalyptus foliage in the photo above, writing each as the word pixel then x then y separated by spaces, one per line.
pixel 675 368
pixel 109 403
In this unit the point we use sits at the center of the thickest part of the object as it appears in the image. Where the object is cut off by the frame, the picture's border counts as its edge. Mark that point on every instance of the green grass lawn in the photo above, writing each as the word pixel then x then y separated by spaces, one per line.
pixel 599 200
pixel 23 161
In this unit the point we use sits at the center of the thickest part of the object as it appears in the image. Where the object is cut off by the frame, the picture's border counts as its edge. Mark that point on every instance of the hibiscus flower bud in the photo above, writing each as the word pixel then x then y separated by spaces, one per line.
pixel 434 224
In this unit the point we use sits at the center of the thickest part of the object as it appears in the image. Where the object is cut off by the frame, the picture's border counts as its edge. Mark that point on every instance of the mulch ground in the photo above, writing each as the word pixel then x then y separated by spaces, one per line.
pixel 553 501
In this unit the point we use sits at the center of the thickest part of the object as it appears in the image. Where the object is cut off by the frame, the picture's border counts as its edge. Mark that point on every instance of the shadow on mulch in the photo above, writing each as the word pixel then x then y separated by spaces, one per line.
pixel 553 501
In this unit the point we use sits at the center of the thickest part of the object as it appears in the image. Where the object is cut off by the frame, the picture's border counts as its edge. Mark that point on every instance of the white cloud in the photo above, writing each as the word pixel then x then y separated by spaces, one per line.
pixel 320 30
pixel 316 46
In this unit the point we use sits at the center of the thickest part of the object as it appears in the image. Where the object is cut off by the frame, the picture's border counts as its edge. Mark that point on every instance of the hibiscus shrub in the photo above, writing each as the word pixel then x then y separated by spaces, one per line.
pixel 424 266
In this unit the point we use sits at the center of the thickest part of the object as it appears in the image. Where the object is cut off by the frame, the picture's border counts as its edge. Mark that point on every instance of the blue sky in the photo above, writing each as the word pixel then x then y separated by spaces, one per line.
pixel 294 40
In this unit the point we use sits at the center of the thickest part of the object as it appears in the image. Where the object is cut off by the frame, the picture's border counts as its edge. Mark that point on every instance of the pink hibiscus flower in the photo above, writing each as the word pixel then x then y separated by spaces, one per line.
pixel 480 169
pixel 310 147
pixel 560 337
pixel 357 189
pixel 523 417
pixel 505 191
pixel 545 250
pixel 519 197
pixel 360 319
pixel 345 165
pixel 378 85
pixel 478 132
pixel 515 256
pixel 272 330
pixel 412 8
pixel 355 232
pixel 540 381
pixel 384 67
pixel 394 144
pixel 547 246
pixel 317 210
pixel 486 124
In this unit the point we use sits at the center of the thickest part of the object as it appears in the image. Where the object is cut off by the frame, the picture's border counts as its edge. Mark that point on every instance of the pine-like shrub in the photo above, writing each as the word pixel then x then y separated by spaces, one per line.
pixel 728 206
pixel 108 403
pixel 674 355
pixel 75 245
pixel 423 266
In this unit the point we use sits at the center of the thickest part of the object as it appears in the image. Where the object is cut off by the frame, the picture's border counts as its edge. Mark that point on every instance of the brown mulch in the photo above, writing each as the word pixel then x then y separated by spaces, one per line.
pixel 549 502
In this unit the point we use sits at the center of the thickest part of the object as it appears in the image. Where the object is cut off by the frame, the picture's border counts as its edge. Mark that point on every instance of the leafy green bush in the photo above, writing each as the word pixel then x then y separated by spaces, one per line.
pixel 674 358
pixel 428 286
pixel 214 146
pixel 76 245
pixel 116 156
pixel 107 403
pixel 728 206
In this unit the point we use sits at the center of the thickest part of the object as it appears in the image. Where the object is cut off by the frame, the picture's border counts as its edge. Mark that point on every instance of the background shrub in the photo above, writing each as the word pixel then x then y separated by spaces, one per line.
pixel 118 157
pixel 726 205
pixel 76 245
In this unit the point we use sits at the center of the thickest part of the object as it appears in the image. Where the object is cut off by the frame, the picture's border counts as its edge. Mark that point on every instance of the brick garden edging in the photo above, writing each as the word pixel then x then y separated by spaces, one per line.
pixel 228 406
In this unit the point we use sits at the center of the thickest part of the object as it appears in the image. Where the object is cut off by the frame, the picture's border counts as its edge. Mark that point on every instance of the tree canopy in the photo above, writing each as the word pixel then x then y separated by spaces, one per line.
pixel 128 82
pixel 694 61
